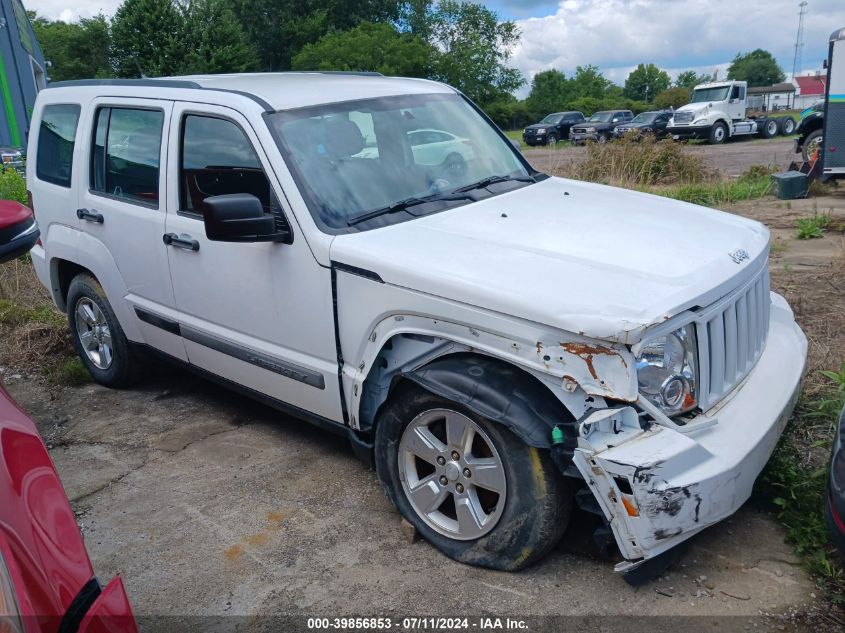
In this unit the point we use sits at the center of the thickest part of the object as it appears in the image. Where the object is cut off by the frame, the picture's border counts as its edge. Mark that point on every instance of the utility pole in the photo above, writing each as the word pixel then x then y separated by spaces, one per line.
pixel 799 39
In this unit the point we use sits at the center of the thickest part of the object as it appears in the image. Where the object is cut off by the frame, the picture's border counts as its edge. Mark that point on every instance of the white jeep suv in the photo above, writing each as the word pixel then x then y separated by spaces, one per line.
pixel 494 339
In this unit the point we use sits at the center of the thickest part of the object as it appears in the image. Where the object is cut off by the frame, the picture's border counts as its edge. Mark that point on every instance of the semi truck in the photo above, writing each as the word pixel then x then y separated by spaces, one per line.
pixel 717 112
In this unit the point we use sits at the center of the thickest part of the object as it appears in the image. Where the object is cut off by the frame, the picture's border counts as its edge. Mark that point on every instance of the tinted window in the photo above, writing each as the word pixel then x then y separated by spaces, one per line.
pixel 218 159
pixel 127 150
pixel 55 143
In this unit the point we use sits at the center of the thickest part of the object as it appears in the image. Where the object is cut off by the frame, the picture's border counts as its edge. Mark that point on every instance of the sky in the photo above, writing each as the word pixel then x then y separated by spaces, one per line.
pixel 616 35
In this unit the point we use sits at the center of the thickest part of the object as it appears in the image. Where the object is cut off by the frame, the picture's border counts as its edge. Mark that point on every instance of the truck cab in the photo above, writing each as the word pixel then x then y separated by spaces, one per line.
pixel 716 112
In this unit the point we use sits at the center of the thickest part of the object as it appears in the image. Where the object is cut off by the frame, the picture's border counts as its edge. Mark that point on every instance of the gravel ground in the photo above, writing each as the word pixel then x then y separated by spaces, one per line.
pixel 731 159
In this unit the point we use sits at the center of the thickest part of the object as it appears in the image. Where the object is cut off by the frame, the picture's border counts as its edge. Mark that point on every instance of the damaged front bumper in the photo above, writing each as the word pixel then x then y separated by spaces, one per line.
pixel 661 485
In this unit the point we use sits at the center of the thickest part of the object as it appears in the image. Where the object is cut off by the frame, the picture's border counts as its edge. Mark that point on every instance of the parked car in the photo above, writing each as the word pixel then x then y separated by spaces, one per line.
pixel 18 230
pixel 47 583
pixel 552 128
pixel 810 130
pixel 599 127
pixel 834 504
pixel 653 123
pixel 438 148
pixel 492 340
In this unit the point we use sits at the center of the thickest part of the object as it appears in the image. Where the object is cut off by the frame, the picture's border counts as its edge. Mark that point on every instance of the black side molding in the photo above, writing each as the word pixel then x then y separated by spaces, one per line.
pixel 360 272
pixel 80 606
pixel 160 322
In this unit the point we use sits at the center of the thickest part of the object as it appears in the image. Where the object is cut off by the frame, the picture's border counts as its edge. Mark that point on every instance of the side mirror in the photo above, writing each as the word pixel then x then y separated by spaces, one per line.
pixel 238 217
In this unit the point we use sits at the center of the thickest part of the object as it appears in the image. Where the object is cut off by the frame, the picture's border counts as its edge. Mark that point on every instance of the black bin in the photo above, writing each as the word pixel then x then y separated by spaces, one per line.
pixel 791 185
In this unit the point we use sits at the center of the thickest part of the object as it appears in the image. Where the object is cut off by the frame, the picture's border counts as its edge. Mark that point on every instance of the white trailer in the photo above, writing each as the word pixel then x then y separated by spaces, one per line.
pixel 716 112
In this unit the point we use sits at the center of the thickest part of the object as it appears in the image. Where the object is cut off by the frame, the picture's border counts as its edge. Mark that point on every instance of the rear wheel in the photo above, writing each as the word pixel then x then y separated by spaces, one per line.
pixel 811 144
pixel 97 336
pixel 787 125
pixel 471 487
pixel 768 128
pixel 718 133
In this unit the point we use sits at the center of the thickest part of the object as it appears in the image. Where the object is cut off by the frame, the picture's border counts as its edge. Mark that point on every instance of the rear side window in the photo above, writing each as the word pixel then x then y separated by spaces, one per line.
pixel 56 138
pixel 126 154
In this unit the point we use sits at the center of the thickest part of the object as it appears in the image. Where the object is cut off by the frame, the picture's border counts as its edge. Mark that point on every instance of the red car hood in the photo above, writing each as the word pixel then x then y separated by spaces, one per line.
pixel 39 540
pixel 12 213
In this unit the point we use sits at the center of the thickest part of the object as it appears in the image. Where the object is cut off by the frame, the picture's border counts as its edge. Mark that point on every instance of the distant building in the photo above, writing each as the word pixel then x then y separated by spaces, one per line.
pixel 772 98
pixel 810 89
pixel 22 73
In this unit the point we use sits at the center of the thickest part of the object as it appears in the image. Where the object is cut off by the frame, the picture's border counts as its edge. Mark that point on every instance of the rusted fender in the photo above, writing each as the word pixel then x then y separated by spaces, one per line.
pixel 606 370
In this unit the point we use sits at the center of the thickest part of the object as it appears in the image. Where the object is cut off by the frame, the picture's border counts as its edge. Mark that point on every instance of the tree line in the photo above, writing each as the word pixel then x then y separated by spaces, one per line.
pixel 462 43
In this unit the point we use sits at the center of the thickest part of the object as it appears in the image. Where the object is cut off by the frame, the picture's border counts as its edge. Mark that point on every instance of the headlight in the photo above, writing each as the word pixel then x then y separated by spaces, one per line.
pixel 666 371
pixel 542 130
pixel 10 619
pixel 699 121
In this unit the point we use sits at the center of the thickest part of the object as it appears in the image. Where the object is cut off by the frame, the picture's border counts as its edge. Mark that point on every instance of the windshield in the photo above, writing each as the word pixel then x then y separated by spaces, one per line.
pixel 645 117
pixel 601 117
pixel 552 118
pixel 700 95
pixel 377 157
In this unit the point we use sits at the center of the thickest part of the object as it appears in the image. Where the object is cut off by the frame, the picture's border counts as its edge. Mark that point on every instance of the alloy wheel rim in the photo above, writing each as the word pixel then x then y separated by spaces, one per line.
pixel 452 474
pixel 94 333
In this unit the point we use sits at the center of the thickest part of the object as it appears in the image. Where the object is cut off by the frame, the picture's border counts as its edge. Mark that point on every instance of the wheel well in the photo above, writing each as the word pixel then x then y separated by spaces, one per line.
pixel 488 386
pixel 63 273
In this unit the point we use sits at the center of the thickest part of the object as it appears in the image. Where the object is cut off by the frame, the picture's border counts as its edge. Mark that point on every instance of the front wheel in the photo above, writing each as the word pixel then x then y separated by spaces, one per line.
pixel 811 144
pixel 551 139
pixel 470 487
pixel 718 133
pixel 97 336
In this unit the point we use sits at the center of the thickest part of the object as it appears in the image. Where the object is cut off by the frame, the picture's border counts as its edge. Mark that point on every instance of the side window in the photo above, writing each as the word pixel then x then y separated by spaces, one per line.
pixel 218 159
pixel 735 92
pixel 126 154
pixel 56 139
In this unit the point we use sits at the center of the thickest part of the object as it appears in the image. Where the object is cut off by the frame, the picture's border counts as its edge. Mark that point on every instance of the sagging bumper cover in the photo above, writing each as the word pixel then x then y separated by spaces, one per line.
pixel 689 131
pixel 660 486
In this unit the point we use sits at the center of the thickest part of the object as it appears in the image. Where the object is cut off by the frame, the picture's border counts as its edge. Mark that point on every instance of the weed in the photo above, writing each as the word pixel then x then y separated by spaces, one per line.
pixel 798 489
pixel 68 371
pixel 12 186
pixel 812 227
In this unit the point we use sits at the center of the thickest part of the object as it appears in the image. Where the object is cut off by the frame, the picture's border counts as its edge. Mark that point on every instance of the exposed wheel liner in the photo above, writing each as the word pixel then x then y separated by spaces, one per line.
pixel 499 392
pixel 538 503
pixel 128 364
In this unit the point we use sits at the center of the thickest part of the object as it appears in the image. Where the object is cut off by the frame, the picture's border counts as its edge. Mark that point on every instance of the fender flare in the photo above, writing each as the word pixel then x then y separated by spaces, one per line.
pixel 500 392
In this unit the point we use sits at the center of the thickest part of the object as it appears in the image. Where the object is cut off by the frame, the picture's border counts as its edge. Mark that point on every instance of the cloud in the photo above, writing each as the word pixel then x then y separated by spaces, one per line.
pixel 59 9
pixel 616 35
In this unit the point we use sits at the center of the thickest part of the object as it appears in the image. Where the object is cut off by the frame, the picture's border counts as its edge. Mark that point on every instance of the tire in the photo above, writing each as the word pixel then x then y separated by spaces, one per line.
pixel 97 336
pixel 602 138
pixel 811 142
pixel 786 125
pixel 551 139
pixel 769 128
pixel 537 500
pixel 718 133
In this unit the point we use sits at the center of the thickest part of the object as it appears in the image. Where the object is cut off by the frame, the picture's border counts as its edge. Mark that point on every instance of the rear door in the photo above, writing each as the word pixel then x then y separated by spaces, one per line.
pixel 122 205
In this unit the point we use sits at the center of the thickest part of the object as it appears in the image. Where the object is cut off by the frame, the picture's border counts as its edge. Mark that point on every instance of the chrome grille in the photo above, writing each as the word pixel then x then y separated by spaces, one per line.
pixel 683 117
pixel 731 339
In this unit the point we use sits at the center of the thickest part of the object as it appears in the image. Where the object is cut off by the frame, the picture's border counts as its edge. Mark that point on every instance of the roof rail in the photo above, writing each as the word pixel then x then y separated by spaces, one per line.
pixel 161 83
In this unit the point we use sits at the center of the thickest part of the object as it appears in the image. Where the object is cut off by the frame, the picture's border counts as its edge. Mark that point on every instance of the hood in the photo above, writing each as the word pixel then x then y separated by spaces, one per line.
pixel 581 257
pixel 599 125
pixel 39 538
pixel 539 126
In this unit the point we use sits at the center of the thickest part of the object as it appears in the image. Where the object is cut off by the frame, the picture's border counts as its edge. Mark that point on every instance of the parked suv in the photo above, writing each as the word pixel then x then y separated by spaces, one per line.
pixel 552 128
pixel 651 123
pixel 493 339
pixel 599 127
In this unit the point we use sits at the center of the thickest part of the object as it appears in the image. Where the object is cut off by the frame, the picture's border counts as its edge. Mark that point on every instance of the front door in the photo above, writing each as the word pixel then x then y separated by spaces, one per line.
pixel 121 205
pixel 258 314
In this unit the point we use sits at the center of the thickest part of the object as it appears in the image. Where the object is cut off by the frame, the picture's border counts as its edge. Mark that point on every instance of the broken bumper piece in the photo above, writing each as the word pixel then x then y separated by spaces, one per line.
pixel 660 486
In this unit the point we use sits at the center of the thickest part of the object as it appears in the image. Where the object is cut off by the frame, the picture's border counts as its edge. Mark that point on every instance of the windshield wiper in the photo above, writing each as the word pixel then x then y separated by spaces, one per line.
pixel 492 180
pixel 405 204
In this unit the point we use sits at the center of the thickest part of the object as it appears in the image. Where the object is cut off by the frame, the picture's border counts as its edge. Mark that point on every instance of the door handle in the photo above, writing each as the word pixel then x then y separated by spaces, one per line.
pixel 90 216
pixel 186 242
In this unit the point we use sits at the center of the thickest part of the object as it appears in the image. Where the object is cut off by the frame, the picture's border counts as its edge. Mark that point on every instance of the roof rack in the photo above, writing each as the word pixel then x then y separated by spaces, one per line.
pixel 162 83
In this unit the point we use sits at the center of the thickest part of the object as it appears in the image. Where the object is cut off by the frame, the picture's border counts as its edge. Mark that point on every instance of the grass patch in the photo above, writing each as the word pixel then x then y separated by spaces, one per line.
pixel 637 161
pixel 15 313
pixel 68 371
pixel 716 194
pixel 812 227
pixel 797 486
